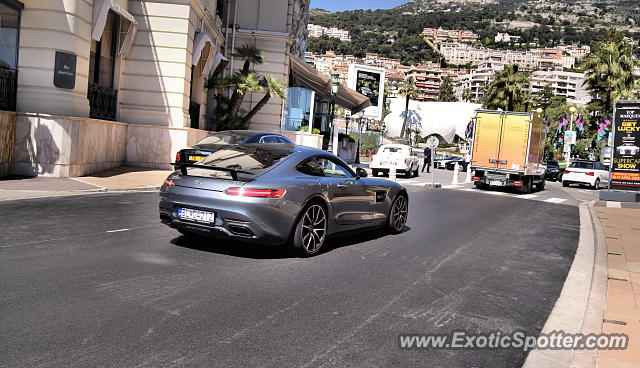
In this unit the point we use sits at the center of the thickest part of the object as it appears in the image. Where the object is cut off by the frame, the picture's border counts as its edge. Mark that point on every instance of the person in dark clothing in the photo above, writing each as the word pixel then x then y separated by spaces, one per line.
pixel 427 159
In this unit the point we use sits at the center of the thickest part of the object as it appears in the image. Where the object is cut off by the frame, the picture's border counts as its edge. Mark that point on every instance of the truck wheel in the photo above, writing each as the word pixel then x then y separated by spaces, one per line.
pixel 527 185
pixel 541 184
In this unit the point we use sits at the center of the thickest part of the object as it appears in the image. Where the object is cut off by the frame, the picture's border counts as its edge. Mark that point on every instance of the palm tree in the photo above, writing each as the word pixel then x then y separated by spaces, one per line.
pixel 241 84
pixel 272 87
pixel 467 95
pixel 409 90
pixel 251 55
pixel 609 74
pixel 506 92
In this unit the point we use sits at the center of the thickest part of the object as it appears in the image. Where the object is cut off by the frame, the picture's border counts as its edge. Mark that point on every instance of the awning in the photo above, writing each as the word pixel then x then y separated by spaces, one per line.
pixel 308 77
pixel 101 10
pixel 220 62
pixel 199 42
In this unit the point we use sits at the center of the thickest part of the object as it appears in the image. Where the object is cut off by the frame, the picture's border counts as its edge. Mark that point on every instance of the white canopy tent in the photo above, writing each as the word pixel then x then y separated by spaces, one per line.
pixel 443 118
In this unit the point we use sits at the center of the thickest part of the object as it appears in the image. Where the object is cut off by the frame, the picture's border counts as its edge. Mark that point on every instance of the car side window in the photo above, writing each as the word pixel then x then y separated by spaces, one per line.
pixel 333 169
pixel 269 139
pixel 311 167
pixel 598 166
pixel 283 140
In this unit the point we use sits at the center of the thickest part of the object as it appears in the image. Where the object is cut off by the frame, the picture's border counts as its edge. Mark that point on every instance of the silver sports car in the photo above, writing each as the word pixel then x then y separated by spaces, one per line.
pixel 277 194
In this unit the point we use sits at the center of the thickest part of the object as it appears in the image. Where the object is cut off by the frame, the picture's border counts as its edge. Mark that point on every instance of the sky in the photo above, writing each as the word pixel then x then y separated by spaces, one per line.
pixel 340 5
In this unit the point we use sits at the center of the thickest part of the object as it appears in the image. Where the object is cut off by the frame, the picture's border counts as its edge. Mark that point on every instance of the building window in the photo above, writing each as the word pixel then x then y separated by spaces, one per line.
pixel 103 97
pixel 9 34
pixel 297 108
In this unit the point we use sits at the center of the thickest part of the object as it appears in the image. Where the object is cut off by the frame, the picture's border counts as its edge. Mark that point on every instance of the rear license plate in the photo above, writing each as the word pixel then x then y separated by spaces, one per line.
pixel 195 215
pixel 196 158
pixel 497 183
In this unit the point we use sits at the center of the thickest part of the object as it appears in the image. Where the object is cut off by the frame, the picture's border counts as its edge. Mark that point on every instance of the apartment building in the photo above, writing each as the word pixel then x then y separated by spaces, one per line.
pixel 564 84
pixel 317 31
pixel 442 35
pixel 100 83
pixel 428 78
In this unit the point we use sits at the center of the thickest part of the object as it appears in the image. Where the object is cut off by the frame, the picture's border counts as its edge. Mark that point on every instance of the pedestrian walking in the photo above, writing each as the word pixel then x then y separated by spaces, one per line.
pixel 427 159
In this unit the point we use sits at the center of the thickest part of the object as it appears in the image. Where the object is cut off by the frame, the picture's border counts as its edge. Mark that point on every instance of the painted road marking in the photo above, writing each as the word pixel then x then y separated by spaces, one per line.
pixel 555 200
pixel 451 186
pixel 117 231
pixel 497 193
pixel 528 196
pixel 614 204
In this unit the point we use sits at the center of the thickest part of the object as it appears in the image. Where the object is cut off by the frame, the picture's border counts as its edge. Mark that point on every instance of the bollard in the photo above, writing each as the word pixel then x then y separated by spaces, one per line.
pixel 392 174
pixel 468 179
pixel 455 174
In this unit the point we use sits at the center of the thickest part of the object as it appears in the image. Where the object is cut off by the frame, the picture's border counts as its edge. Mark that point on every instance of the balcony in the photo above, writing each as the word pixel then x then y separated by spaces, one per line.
pixel 8 85
pixel 102 102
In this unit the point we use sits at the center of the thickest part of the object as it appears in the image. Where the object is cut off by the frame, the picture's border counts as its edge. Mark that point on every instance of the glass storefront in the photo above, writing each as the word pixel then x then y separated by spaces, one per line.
pixel 9 26
pixel 297 108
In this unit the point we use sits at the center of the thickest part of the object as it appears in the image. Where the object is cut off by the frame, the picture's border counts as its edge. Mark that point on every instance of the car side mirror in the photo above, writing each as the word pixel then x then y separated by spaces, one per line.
pixel 361 173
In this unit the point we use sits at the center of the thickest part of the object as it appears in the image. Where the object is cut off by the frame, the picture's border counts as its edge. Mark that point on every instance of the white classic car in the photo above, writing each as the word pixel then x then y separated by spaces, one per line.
pixel 400 156
pixel 628 149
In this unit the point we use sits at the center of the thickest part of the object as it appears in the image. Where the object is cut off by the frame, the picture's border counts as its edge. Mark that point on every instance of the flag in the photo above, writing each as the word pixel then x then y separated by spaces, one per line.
pixel 469 131
pixel 580 126
pixel 603 129
pixel 544 118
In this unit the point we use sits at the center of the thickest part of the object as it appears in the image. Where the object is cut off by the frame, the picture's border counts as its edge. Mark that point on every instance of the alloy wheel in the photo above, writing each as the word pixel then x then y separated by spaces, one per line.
pixel 314 228
pixel 399 213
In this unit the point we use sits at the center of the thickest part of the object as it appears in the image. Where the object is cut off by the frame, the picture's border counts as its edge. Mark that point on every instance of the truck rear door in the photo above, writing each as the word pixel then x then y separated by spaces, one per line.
pixel 486 140
pixel 514 142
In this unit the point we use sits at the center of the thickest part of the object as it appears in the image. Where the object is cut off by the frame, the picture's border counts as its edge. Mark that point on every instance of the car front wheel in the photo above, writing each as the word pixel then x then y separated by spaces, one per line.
pixel 398 214
pixel 311 230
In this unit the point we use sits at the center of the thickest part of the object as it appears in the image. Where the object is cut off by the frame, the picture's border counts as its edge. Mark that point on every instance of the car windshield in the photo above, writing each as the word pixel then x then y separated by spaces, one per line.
pixel 223 138
pixel 252 159
pixel 552 163
pixel 392 149
pixel 581 165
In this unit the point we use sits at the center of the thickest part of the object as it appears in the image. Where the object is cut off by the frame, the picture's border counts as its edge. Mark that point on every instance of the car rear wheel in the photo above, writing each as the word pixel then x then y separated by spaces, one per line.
pixel 596 184
pixel 311 230
pixel 398 214
pixel 374 173
pixel 565 184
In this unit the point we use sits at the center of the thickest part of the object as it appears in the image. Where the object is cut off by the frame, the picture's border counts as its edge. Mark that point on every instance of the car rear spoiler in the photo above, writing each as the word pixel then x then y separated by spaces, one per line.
pixel 234 173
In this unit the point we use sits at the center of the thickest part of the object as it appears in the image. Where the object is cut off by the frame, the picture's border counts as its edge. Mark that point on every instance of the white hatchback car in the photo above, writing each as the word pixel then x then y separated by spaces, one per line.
pixel 592 173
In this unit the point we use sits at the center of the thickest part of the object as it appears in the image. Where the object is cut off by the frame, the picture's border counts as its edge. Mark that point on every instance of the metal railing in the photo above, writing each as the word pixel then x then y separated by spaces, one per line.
pixel 102 102
pixel 194 114
pixel 8 88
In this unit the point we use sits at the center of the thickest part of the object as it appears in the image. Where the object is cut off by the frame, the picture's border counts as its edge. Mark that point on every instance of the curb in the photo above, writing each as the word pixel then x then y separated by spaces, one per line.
pixel 580 306
pixel 148 188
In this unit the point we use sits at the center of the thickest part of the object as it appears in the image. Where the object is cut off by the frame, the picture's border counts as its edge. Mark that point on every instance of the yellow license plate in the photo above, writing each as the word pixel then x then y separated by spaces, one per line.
pixel 196 158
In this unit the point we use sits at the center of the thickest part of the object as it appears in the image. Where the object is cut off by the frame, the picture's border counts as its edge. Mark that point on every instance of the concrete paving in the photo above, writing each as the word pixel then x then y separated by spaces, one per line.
pixel 96 280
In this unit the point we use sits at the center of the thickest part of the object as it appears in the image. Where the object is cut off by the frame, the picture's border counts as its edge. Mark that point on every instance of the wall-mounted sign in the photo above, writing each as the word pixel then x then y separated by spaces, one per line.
pixel 369 81
pixel 64 70
pixel 625 171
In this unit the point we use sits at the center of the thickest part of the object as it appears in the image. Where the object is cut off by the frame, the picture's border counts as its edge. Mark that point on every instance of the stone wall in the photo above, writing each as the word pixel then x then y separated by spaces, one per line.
pixel 47 145
pixel 304 139
pixel 7 136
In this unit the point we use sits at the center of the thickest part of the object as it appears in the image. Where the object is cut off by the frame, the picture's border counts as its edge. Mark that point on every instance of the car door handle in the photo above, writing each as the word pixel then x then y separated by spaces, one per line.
pixel 341 186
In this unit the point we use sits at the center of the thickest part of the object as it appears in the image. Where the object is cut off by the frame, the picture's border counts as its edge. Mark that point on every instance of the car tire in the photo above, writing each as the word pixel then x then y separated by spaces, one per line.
pixel 565 184
pixel 398 214
pixel 374 173
pixel 596 184
pixel 461 168
pixel 416 173
pixel 312 220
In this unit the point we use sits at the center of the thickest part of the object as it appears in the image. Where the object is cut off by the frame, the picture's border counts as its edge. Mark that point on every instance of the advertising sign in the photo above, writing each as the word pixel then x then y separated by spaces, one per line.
pixel 369 81
pixel 570 137
pixel 625 170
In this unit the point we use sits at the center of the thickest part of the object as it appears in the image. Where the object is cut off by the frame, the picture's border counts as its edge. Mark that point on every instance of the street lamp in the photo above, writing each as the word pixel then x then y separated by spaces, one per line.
pixel 335 83
pixel 572 110
pixel 539 111
pixel 360 117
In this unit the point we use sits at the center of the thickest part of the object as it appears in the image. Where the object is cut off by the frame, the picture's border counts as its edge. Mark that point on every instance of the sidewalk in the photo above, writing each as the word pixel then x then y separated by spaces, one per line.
pixel 117 179
pixel 621 224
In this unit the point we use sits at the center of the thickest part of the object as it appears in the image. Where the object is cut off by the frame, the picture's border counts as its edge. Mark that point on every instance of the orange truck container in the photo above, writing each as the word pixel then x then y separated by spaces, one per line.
pixel 508 150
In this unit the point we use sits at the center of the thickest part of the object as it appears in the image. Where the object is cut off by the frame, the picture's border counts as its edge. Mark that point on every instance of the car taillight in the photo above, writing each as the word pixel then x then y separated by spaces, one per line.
pixel 169 183
pixel 405 160
pixel 261 193
pixel 475 179
pixel 517 183
pixel 590 173
pixel 567 171
pixel 178 156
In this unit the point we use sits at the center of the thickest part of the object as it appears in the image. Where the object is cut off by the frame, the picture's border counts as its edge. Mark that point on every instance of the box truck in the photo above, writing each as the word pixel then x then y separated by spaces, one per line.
pixel 508 150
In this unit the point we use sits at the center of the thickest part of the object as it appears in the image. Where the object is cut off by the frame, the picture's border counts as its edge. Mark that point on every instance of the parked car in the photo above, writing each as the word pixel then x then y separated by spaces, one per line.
pixel 462 164
pixel 217 140
pixel 400 156
pixel 588 172
pixel 441 163
pixel 628 148
pixel 278 194
pixel 554 171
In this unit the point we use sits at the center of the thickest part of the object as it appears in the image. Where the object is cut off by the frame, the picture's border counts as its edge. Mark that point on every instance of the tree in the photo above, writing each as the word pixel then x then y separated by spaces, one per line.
pixel 409 90
pixel 251 55
pixel 467 95
pixel 506 92
pixel 544 96
pixel 272 87
pixel 446 94
pixel 609 74
pixel 241 84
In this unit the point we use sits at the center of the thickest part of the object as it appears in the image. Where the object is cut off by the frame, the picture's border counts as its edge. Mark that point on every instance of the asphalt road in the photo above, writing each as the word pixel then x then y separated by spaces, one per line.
pixel 95 280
